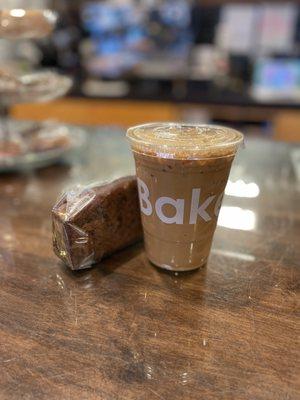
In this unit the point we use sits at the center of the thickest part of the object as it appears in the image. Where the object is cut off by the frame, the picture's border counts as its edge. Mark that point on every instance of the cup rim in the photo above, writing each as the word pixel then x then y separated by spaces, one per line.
pixel 225 143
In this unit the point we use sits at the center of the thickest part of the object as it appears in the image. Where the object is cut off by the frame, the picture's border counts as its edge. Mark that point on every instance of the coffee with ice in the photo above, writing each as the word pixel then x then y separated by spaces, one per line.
pixel 182 172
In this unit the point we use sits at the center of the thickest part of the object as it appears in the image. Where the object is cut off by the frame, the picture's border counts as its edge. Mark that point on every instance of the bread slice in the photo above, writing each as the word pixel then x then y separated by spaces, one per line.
pixel 96 221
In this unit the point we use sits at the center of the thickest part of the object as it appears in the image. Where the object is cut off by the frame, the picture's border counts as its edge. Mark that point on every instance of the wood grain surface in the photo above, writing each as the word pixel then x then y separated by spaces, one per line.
pixel 126 330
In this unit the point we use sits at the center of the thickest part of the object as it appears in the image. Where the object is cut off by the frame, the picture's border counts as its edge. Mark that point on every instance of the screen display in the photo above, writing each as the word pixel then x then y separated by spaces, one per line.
pixel 124 34
pixel 277 79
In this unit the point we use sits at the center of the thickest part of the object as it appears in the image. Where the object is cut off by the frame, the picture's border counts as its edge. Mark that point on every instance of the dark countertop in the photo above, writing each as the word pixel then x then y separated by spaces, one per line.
pixel 186 91
pixel 126 330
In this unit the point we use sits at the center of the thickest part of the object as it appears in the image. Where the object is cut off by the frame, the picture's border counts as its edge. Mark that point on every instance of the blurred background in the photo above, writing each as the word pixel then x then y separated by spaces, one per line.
pixel 234 63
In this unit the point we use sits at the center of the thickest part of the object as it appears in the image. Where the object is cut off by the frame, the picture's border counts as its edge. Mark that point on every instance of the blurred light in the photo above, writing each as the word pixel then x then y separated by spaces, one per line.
pixel 149 372
pixel 18 12
pixel 184 378
pixel 237 218
pixel 242 189
pixel 234 254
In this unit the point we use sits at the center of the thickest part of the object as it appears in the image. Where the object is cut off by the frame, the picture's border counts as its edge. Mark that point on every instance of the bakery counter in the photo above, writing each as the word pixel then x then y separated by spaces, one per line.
pixel 129 112
pixel 126 330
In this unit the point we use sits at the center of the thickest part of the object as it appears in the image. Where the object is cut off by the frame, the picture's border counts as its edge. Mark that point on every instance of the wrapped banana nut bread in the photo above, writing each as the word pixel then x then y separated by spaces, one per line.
pixel 92 222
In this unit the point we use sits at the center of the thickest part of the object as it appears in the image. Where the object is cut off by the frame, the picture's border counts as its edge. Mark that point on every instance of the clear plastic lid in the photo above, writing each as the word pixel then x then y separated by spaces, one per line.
pixel 184 141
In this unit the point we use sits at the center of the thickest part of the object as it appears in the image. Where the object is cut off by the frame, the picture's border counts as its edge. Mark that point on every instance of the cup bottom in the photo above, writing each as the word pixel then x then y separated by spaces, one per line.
pixel 176 269
pixel 174 256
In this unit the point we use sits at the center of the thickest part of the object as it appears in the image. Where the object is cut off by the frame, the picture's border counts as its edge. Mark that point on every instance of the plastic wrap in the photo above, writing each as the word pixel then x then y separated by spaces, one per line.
pixel 92 222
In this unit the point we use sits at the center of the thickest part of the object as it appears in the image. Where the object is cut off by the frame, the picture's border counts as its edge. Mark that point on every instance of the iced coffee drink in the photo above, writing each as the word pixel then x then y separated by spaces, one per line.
pixel 182 172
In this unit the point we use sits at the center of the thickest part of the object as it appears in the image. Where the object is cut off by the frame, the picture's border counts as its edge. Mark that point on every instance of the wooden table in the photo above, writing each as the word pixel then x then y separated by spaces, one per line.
pixel 126 330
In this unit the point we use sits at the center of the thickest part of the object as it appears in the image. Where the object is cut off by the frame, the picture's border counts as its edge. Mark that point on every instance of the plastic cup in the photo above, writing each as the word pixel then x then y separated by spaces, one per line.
pixel 182 171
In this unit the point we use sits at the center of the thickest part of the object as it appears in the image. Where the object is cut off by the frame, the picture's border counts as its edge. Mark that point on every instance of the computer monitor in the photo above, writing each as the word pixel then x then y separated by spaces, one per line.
pixel 276 80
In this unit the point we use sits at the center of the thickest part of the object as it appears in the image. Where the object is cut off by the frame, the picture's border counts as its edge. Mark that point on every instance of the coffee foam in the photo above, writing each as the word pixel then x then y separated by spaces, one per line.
pixel 184 141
